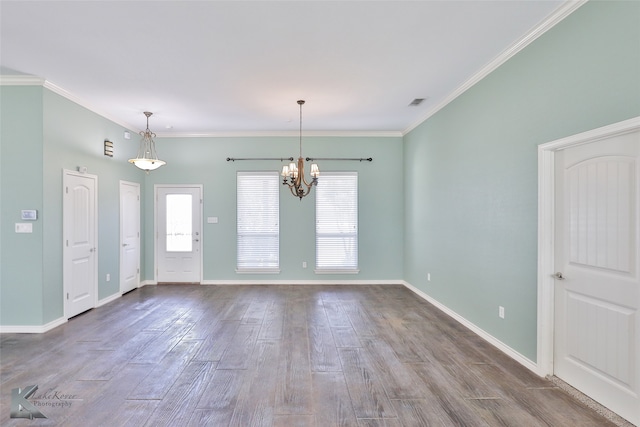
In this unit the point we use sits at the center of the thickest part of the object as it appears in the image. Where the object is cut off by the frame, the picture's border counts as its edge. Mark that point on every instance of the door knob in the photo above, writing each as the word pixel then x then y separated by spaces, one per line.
pixel 558 276
pixel 125 244
pixel 196 240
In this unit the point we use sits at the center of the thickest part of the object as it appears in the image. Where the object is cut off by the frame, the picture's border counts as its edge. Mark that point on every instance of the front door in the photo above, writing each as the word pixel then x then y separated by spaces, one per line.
pixel 129 236
pixel 597 289
pixel 80 274
pixel 178 234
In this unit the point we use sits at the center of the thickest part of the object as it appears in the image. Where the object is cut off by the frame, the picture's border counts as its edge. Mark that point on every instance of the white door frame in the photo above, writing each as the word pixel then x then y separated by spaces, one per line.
pixel 546 234
pixel 65 250
pixel 121 245
pixel 155 225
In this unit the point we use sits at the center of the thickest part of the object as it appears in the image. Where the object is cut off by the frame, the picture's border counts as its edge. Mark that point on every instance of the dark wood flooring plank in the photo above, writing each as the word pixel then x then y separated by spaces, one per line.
pixel 273 321
pixel 106 364
pixel 256 401
pixel 504 413
pixel 212 315
pixel 398 380
pixel 293 388
pixel 458 380
pixel 100 408
pixel 220 395
pixel 322 347
pixel 164 373
pixel 238 352
pixel 383 422
pixel 337 317
pixel 166 341
pixel 332 402
pixel 217 341
pixel 549 405
pixel 368 397
pixel 294 421
pixel 428 413
pixel 360 320
pixel 256 311
pixel 180 401
pixel 345 336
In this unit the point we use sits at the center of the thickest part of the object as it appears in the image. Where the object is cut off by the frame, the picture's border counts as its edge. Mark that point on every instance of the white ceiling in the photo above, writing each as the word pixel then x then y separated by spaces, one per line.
pixel 238 67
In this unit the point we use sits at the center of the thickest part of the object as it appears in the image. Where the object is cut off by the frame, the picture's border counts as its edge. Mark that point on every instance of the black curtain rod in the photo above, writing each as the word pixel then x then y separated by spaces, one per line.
pixel 233 159
pixel 311 159
pixel 308 159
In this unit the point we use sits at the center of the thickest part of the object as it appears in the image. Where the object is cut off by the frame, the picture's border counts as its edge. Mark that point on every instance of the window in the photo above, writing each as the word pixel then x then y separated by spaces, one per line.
pixel 337 222
pixel 179 224
pixel 258 229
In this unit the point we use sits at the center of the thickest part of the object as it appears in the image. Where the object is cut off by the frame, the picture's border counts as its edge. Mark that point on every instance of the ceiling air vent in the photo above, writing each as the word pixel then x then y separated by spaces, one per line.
pixel 416 102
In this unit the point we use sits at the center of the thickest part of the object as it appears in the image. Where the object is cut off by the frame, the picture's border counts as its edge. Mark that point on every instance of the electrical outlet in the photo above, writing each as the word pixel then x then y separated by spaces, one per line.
pixel 304 264
pixel 501 311
pixel 428 277
pixel 108 277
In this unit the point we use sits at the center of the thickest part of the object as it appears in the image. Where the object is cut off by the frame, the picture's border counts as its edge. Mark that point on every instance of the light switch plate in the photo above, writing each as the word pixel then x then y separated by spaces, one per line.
pixel 212 220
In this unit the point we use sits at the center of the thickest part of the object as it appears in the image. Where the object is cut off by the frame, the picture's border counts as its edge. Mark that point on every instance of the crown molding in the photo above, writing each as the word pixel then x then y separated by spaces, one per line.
pixel 281 134
pixel 71 97
pixel 21 80
pixel 552 20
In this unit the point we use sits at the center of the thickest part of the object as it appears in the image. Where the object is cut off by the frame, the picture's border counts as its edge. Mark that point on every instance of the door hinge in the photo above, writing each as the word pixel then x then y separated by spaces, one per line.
pixel 67 190
pixel 67 295
pixel 67 243
pixel 138 271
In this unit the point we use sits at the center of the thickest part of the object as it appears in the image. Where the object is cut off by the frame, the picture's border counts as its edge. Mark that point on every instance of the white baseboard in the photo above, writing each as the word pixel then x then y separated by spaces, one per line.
pixel 108 299
pixel 147 282
pixel 302 282
pixel 32 329
pixel 524 361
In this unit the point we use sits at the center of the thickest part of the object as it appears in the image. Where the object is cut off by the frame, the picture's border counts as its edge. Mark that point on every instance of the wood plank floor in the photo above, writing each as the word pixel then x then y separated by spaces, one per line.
pixel 189 355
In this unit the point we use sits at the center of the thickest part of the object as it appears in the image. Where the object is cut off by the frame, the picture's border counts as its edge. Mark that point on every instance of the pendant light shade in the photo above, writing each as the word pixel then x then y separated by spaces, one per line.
pixel 147 158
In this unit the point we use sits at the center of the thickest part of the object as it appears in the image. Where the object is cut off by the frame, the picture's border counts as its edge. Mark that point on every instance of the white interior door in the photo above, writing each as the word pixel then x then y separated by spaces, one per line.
pixel 597 291
pixel 178 234
pixel 80 273
pixel 129 236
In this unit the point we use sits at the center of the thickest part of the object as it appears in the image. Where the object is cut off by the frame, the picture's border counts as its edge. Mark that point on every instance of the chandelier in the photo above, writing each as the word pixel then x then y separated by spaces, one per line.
pixel 147 158
pixel 293 175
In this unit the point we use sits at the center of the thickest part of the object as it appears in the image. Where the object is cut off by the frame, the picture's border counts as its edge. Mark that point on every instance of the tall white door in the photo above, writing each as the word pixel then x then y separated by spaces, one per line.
pixel 597 292
pixel 80 273
pixel 178 234
pixel 129 236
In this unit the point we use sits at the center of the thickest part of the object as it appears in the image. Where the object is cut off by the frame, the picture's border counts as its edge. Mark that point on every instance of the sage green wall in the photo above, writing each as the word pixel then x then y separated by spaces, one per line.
pixel 21 298
pixel 49 133
pixel 203 161
pixel 471 169
pixel 74 136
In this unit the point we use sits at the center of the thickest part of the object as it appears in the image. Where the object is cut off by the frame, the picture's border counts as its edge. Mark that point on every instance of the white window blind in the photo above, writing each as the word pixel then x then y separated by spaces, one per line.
pixel 337 222
pixel 258 221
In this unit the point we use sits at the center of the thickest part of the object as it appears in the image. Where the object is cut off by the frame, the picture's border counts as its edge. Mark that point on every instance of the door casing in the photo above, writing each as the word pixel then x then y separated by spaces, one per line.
pixel 546 231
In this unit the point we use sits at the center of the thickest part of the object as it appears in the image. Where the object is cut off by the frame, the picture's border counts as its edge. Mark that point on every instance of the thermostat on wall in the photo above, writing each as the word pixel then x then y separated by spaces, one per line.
pixel 29 215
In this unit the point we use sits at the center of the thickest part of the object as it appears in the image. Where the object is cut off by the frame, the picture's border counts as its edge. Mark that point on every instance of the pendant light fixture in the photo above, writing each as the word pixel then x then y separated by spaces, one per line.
pixel 293 175
pixel 147 158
